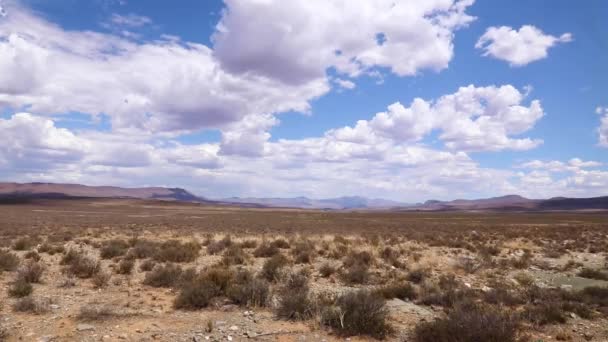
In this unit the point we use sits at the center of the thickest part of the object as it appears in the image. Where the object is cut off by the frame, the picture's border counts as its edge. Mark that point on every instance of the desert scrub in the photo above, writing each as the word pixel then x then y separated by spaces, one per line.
pixel 593 274
pixel 147 265
pixel 176 251
pixel 357 273
pixel 234 255
pixel 403 290
pixel 326 270
pixel 80 264
pixel 101 279
pixel 271 270
pixel 167 275
pixel 266 250
pixel 303 252
pixel 125 266
pixel 32 255
pixel 357 313
pixel 247 290
pixel 31 305
pixel 470 322
pixel 96 312
pixel 8 261
pixel 293 299
pixel 20 288
pixel 24 243
pixel 215 247
pixel 113 248
pixel 31 272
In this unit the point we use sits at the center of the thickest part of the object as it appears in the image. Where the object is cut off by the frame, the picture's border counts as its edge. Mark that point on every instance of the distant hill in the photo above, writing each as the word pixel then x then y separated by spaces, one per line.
pixel 339 203
pixel 53 190
pixel 516 202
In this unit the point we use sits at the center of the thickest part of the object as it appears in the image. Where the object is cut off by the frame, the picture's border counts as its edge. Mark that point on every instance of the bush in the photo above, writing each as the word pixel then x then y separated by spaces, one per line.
pixel 144 249
pixel 266 250
pixel 100 279
pixel 358 313
pixel 271 270
pixel 356 274
pixel 8 261
pixel 469 322
pixel 29 304
pixel 31 272
pixel 592 274
pixel 20 288
pixel 23 243
pixel 196 294
pixel 234 255
pixel 326 270
pixel 248 243
pixel 80 265
pixel 219 276
pixel 95 312
pixel 545 313
pixel 250 292
pixel 167 275
pixel 147 265
pixel 32 255
pixel 281 244
pixel 215 247
pixel 397 290
pixel 294 302
pixel 113 248
pixel 359 258
pixel 303 252
pixel 418 275
pixel 175 251
pixel 125 266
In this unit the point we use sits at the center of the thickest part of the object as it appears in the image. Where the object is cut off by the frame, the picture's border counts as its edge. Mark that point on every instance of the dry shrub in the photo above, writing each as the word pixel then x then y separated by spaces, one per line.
pixel 468 264
pixel 32 255
pixel 101 279
pixel 96 312
pixel 447 293
pixel 80 264
pixel 144 249
pixel 326 270
pixel 4 333
pixel 358 313
pixel 271 270
pixel 176 251
pixel 147 265
pixel 125 266
pixel 418 275
pixel 248 291
pixel 592 274
pixel 31 305
pixel 294 302
pixel 303 252
pixel 266 250
pixel 362 258
pixel 470 322
pixel 196 294
pixel 355 274
pixel 397 290
pixel 234 255
pixel 113 248
pixel 20 288
pixel 8 261
pixel 248 244
pixel 281 244
pixel 51 249
pixel 551 312
pixel 167 275
pixel 24 243
pixel 31 272
pixel 215 247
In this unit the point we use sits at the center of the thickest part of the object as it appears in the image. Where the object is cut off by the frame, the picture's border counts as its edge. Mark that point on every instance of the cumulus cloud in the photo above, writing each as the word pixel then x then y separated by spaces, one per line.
pixel 346 84
pixel 131 20
pixel 472 119
pixel 603 129
pixel 518 47
pixel 297 41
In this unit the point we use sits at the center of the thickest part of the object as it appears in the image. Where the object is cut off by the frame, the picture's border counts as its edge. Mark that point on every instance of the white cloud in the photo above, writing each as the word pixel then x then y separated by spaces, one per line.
pixel 602 130
pixel 131 20
pixel 518 47
pixel 472 119
pixel 346 84
pixel 297 41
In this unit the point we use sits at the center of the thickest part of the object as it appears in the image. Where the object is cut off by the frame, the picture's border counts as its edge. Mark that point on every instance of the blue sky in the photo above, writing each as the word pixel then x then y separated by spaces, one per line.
pixel 244 98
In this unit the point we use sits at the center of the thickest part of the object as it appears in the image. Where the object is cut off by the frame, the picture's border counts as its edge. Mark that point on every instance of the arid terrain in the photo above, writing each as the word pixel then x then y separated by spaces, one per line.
pixel 147 270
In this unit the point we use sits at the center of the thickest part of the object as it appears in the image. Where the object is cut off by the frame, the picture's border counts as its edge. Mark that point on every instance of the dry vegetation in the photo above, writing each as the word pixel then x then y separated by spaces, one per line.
pixel 109 270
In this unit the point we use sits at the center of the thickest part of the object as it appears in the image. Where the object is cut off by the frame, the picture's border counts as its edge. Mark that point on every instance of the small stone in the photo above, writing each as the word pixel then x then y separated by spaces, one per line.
pixel 229 338
pixel 234 328
pixel 54 306
pixel 84 327
pixel 123 336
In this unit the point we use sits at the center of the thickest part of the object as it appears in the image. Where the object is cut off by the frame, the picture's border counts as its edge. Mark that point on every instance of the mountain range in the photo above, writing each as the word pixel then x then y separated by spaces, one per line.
pixel 11 191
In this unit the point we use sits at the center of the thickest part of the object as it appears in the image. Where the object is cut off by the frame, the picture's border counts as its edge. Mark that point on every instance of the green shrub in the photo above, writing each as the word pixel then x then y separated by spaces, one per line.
pixel 175 251
pixel 20 288
pixel 196 294
pixel 251 292
pixel 271 270
pixel 167 275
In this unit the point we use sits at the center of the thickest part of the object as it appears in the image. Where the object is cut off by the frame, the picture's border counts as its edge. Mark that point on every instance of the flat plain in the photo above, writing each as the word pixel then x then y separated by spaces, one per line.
pixel 135 270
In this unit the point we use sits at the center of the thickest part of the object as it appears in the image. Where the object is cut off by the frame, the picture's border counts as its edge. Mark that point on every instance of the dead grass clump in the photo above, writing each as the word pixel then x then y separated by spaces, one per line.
pixel 418 275
pixel 147 265
pixel 80 264
pixel 125 266
pixel 215 247
pixel 248 244
pixel 468 264
pixel 24 243
pixel 101 279
pixel 31 305
pixel 31 272
pixel 550 312
pixel 502 295
pixel 32 255
pixel 403 291
pixel 20 288
pixel 281 244
pixel 234 255
pixel 592 274
pixel 358 313
pixel 326 270
pixel 271 270
pixel 294 302
pixel 96 312
pixel 8 261
pixel 470 322
pixel 266 250
pixel 167 275
pixel 113 248
pixel 355 274
pixel 363 258
pixel 176 251
pixel 249 291
pixel 303 252
pixel 50 249
pixel 391 256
